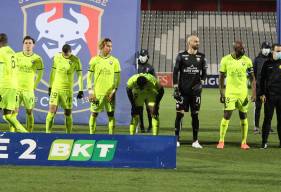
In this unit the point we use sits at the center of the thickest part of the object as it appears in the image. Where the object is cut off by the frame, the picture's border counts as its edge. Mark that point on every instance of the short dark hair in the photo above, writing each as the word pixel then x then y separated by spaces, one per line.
pixel 66 48
pixel 28 38
pixel 141 81
pixel 3 38
pixel 275 45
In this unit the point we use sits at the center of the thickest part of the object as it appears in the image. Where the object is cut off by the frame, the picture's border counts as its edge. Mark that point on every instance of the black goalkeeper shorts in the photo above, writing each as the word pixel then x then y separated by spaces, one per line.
pixel 189 101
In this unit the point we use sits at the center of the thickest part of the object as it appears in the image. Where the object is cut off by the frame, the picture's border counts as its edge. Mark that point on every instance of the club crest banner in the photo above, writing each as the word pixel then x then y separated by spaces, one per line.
pixel 80 24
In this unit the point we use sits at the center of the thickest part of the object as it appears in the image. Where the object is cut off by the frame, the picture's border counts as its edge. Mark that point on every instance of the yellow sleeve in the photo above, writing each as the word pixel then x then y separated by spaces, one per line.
pixel 223 65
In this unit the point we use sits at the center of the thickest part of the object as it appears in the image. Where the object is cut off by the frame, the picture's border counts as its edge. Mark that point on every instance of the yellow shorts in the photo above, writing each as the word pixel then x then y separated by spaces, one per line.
pixel 62 98
pixel 234 102
pixel 101 103
pixel 26 98
pixel 140 98
pixel 8 98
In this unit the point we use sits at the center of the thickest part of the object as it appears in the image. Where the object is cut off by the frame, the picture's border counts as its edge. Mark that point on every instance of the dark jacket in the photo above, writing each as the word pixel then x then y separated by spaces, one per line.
pixel 257 64
pixel 270 82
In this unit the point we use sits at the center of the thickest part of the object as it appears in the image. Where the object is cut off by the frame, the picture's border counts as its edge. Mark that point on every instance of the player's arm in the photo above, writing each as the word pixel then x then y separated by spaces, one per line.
pixel 204 70
pixel 40 72
pixel 176 71
pixel 79 73
pixel 221 86
pixel 262 88
pixel 253 82
pixel 90 75
pixel 52 76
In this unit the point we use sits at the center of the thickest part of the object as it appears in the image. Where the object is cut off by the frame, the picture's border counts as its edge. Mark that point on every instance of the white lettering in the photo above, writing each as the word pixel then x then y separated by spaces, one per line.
pixel 78 148
pixel 104 149
pixel 4 148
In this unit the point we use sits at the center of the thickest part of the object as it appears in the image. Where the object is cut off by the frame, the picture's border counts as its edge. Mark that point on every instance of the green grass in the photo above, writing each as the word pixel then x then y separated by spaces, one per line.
pixel 209 169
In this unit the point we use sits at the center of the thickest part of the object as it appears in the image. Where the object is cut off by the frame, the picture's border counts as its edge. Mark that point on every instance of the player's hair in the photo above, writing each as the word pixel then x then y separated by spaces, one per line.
pixel 103 42
pixel 237 42
pixel 28 38
pixel 141 81
pixel 66 48
pixel 190 37
pixel 275 45
pixel 3 38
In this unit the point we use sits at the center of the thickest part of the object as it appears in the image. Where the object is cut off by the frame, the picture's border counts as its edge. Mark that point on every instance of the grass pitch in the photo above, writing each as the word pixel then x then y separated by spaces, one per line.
pixel 208 169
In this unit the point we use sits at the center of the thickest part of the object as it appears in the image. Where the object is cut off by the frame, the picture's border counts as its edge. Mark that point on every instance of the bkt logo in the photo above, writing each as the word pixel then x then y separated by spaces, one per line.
pixel 55 23
pixel 82 150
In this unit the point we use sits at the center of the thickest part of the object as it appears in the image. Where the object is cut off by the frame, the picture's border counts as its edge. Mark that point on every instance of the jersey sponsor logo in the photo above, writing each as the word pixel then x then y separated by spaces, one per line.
pixel 55 23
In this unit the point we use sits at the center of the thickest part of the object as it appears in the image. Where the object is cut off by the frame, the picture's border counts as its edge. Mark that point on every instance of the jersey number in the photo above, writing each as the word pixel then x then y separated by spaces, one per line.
pixel 13 61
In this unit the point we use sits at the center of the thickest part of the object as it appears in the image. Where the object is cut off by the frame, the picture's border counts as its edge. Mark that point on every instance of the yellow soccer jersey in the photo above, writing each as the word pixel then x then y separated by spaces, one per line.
pixel 64 69
pixel 104 69
pixel 236 74
pixel 7 68
pixel 26 70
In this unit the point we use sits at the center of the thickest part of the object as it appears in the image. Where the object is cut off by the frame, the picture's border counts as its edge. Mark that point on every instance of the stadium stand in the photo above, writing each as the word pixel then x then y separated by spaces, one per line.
pixel 164 33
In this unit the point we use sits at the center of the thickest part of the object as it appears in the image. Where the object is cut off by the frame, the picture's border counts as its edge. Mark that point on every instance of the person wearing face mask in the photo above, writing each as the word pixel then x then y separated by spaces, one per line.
pixel 145 67
pixel 259 61
pixel 270 93
pixel 234 95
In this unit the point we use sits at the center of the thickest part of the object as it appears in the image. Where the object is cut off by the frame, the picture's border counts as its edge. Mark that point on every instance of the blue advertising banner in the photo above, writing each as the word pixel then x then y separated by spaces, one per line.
pixel 80 23
pixel 85 150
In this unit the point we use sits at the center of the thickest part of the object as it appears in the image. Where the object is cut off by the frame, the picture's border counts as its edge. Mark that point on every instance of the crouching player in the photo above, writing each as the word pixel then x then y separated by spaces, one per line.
pixel 61 86
pixel 143 88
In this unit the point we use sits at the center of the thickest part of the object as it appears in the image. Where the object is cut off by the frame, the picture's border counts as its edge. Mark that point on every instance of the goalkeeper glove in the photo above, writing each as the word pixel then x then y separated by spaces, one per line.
pixel 80 95
pixel 177 95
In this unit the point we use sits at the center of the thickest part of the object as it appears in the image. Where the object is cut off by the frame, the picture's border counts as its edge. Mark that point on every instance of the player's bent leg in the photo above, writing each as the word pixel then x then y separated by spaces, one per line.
pixel 29 120
pixel 92 122
pixel 111 122
pixel 155 119
pixel 68 120
pixel 10 119
pixel 50 118
pixel 134 119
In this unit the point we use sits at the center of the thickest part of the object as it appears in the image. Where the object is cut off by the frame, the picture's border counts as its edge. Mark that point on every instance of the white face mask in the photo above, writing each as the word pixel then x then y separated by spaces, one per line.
pixel 143 59
pixel 265 52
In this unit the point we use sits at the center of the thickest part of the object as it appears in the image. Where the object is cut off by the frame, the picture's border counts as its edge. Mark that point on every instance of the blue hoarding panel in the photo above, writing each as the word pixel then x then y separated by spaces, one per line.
pixel 88 150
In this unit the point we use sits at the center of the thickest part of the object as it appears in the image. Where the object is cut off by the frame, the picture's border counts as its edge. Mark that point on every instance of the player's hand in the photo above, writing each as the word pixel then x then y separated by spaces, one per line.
pixel 49 91
pixel 263 98
pixel 177 95
pixel 253 98
pixel 80 95
pixel 111 95
pixel 222 99
pixel 92 97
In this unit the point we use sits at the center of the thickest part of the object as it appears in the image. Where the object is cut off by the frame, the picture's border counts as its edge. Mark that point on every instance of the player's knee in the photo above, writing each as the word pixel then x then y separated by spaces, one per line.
pixel 194 115
pixel 67 112
pixel 179 115
pixel 227 115
pixel 110 114
pixel 29 111
pixel 95 114
pixel 242 115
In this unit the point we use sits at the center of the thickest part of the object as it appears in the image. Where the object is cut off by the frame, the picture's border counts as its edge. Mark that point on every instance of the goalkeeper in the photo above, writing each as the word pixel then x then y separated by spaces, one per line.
pixel 61 86
pixel 140 88
pixel 29 73
pixel 188 75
